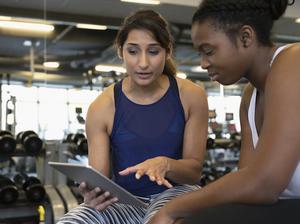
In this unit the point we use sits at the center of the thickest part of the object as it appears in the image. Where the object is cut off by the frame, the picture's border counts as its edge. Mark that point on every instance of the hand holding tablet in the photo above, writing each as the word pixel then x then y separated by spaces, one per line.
pixel 93 178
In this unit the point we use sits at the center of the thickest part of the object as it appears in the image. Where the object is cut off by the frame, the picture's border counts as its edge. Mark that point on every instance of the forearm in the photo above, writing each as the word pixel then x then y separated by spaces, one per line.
pixel 238 187
pixel 184 171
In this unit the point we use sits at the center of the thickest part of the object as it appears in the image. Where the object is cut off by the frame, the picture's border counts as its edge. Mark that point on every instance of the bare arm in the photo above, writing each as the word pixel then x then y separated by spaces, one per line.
pixel 97 130
pixel 188 169
pixel 246 151
pixel 276 156
pixel 98 127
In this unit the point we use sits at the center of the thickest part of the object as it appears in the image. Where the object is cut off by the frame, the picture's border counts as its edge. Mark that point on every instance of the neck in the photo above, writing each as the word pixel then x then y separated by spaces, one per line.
pixel 260 67
pixel 145 92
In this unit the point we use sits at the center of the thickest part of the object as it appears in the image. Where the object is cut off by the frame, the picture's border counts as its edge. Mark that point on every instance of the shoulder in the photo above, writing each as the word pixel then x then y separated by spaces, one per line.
pixel 103 106
pixel 287 59
pixel 190 90
pixel 106 98
pixel 285 69
pixel 193 97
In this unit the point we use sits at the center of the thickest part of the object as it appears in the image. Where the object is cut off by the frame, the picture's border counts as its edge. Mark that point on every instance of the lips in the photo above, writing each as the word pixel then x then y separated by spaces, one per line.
pixel 144 75
pixel 213 76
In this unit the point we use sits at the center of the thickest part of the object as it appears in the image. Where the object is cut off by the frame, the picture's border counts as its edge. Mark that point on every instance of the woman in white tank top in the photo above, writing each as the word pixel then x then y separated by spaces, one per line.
pixel 233 39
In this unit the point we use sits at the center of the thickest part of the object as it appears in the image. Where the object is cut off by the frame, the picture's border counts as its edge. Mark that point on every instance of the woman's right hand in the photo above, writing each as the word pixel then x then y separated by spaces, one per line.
pixel 96 198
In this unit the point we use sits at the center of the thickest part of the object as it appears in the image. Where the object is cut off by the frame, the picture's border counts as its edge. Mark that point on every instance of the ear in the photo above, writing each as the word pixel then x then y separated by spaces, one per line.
pixel 246 36
pixel 120 53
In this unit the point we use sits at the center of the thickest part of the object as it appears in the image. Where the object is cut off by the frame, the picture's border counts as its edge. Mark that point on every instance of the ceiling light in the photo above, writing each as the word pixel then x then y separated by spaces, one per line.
pixel 91 26
pixel 297 20
pixel 51 64
pixel 181 75
pixel 27 43
pixel 109 68
pixel 198 69
pixel 150 2
pixel 27 26
pixel 6 18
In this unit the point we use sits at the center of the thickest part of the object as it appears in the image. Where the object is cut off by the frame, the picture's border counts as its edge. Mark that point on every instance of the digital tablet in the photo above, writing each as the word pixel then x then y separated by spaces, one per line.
pixel 93 178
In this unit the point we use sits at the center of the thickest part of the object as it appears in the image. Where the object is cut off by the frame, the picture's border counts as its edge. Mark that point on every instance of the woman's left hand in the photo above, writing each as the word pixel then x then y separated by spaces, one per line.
pixel 155 168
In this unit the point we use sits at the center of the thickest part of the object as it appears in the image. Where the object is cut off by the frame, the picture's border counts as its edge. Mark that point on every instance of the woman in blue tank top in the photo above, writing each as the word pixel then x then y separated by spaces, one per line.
pixel 147 132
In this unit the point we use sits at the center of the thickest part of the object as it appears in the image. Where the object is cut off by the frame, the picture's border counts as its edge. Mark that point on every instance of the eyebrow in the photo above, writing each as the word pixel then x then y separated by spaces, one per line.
pixel 151 44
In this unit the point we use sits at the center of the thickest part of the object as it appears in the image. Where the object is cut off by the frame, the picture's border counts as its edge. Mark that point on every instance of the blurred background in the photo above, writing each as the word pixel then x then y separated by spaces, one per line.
pixel 56 56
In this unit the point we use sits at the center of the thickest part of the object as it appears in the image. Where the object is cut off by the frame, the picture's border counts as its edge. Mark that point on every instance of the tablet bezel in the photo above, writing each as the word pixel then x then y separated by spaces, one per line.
pixel 93 178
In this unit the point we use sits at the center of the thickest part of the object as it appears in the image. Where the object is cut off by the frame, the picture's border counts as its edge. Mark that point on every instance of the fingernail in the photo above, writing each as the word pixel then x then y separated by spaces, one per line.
pixel 137 176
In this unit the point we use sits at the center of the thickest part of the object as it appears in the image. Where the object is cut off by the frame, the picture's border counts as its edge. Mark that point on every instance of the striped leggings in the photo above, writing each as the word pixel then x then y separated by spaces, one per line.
pixel 123 214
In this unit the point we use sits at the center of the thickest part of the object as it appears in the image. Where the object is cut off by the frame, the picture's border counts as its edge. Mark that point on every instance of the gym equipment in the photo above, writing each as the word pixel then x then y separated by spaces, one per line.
pixel 58 207
pixel 24 211
pixel 68 197
pixel 80 119
pixel 210 144
pixel 10 121
pixel 31 141
pixel 7 143
pixel 80 141
pixel 35 192
pixel 8 190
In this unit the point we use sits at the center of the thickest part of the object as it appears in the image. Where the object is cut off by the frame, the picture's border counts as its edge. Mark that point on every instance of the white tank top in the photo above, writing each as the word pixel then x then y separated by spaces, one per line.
pixel 293 188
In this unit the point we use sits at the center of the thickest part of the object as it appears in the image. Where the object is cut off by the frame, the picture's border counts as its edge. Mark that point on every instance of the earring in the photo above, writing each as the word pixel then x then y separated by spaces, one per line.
pixel 244 39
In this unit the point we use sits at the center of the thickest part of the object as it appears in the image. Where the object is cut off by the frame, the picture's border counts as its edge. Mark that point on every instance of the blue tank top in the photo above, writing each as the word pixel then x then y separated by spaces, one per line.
pixel 141 132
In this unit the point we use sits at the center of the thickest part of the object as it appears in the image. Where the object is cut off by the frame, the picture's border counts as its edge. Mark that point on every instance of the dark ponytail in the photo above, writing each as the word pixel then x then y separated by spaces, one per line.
pixel 278 7
pixel 170 68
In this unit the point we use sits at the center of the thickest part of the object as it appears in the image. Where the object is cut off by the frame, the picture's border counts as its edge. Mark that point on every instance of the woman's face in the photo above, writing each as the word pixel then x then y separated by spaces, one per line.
pixel 224 61
pixel 143 56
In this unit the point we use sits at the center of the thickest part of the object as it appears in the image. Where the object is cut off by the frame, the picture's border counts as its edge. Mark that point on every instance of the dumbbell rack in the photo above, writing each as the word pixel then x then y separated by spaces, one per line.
pixel 57 151
pixel 24 211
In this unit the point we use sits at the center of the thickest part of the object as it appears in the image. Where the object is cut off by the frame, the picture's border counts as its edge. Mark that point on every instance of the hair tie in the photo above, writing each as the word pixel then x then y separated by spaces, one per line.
pixel 291 3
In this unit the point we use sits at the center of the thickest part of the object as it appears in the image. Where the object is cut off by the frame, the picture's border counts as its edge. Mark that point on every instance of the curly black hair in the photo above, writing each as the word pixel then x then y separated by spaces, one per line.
pixel 231 15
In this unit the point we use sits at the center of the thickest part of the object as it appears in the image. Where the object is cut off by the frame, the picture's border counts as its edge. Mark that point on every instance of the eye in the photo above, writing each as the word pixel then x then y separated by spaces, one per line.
pixel 132 51
pixel 153 51
pixel 208 51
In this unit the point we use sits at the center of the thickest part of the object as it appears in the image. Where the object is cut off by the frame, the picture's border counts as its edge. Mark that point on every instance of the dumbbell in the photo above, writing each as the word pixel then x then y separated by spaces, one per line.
pixel 7 142
pixel 35 191
pixel 82 146
pixel 8 190
pixel 69 137
pixel 80 141
pixel 210 144
pixel 31 141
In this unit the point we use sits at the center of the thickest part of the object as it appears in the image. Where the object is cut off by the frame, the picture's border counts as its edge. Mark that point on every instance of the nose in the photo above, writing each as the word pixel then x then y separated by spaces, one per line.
pixel 143 61
pixel 204 63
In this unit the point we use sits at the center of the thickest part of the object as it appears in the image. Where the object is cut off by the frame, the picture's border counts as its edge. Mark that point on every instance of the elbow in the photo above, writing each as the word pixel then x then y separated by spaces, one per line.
pixel 193 178
pixel 267 192
pixel 272 194
pixel 196 176
pixel 269 198
pixel 262 189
